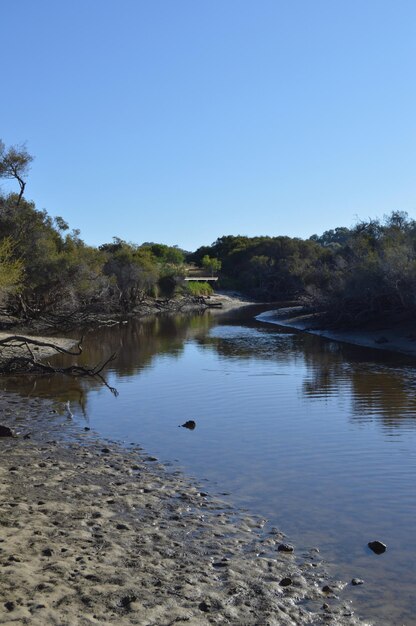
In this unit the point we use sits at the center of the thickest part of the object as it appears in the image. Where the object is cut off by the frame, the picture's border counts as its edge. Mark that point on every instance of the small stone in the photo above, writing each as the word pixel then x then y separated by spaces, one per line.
pixel 190 425
pixel 377 546
pixel 285 547
pixel 126 601
pixel 106 450
pixel 205 606
pixel 122 527
pixel 47 552
pixel 357 581
pixel 9 605
pixel 87 428
pixel 286 582
pixel 327 589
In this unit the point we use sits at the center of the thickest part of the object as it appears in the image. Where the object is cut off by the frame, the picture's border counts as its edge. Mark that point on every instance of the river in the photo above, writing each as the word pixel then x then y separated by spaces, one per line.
pixel 316 436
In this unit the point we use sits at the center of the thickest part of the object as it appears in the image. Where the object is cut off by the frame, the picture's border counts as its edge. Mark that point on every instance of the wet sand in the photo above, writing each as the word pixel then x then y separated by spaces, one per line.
pixel 394 338
pixel 96 533
pixel 19 349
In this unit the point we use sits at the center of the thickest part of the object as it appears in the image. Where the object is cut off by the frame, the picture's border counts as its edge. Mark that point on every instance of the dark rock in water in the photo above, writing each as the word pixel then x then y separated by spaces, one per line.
pixel 106 450
pixel 190 424
pixel 286 582
pixel 6 432
pixel 285 547
pixel 377 546
pixel 327 589
pixel 357 581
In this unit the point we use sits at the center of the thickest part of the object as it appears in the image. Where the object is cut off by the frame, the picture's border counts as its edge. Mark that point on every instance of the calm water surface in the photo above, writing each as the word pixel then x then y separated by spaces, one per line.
pixel 316 436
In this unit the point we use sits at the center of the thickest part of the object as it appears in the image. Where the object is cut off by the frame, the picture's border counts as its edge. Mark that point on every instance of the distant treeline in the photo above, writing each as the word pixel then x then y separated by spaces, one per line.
pixel 44 268
pixel 357 274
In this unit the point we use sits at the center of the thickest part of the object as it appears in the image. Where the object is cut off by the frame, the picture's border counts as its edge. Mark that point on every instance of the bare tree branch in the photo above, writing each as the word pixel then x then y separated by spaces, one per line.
pixel 10 342
pixel 23 364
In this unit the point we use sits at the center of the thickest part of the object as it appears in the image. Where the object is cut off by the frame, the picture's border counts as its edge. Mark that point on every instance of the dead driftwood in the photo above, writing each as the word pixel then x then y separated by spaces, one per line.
pixel 17 357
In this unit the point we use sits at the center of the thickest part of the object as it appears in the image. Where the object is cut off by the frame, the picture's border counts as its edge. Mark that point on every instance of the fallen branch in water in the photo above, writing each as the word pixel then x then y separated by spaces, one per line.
pixel 29 364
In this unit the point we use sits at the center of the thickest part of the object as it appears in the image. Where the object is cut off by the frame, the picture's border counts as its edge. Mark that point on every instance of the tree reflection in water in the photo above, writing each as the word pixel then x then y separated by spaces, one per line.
pixel 380 384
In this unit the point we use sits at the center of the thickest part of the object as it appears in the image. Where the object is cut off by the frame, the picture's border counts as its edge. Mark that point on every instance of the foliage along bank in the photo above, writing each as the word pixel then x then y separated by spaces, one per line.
pixel 358 274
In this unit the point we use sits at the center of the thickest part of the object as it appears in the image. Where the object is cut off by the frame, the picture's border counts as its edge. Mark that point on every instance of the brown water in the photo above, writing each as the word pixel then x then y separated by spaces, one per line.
pixel 318 437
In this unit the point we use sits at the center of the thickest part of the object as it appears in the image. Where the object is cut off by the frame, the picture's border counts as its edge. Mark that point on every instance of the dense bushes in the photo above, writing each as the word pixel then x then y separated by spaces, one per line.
pixel 357 274
pixel 44 269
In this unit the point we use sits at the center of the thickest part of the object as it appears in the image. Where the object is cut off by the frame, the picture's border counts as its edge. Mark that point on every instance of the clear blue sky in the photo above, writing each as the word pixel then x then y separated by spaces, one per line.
pixel 183 120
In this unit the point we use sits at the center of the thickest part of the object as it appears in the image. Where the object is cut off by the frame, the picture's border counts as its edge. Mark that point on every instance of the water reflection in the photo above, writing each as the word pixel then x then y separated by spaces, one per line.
pixel 317 436
pixel 381 387
pixel 136 345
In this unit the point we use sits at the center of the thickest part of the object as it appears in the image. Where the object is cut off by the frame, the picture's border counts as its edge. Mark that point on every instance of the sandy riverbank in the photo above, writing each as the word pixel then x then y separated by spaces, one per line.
pixel 93 533
pixel 19 349
pixel 230 300
pixel 394 338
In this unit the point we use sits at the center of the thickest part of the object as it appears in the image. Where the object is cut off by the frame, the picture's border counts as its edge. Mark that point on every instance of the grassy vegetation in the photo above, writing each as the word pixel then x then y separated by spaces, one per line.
pixel 196 288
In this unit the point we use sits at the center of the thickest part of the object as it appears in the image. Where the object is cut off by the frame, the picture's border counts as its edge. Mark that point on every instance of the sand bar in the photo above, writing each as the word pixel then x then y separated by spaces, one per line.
pixel 400 337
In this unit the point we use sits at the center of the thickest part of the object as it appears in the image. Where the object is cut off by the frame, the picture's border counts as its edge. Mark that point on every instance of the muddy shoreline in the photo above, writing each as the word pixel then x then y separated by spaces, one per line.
pixel 400 337
pixel 96 533
pixel 53 326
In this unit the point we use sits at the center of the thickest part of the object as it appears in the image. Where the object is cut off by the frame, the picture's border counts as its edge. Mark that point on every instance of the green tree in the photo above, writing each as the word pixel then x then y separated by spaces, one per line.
pixel 11 268
pixel 211 264
pixel 14 164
